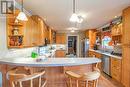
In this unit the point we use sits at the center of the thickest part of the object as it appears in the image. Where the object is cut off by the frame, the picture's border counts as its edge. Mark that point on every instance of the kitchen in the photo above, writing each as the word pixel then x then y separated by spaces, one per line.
pixel 64 48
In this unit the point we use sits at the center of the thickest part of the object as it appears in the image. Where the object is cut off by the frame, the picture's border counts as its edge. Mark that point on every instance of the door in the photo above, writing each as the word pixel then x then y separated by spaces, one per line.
pixel 72 45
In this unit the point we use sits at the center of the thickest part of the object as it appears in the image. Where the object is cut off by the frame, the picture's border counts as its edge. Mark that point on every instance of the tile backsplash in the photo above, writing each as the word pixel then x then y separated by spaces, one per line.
pixel 25 52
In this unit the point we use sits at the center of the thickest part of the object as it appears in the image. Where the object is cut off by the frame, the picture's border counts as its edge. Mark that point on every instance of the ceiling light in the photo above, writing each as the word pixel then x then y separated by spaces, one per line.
pixel 22 16
pixel 74 17
pixel 80 19
pixel 70 28
pixel 72 31
pixel 116 17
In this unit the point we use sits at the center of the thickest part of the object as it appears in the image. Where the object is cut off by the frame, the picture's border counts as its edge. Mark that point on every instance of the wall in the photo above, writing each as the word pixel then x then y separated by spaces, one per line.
pixel 3 44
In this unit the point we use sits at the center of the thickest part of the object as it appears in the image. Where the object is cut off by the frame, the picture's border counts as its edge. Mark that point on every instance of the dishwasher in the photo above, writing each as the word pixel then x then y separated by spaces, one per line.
pixel 106 65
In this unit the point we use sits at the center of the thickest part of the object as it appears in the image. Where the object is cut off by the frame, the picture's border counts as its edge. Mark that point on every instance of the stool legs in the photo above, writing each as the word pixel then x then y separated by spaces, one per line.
pixel 95 83
pixel 86 84
pixel 77 83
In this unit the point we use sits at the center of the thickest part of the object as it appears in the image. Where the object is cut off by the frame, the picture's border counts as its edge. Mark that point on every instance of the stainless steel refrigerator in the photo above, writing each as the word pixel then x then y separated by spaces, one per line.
pixel 85 47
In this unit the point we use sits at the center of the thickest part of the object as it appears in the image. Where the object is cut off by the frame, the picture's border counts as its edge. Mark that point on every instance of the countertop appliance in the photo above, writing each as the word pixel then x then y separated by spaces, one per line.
pixel 106 65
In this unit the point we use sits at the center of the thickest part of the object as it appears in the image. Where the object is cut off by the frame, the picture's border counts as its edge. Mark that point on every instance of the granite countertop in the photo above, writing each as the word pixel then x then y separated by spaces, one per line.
pixel 49 62
pixel 106 53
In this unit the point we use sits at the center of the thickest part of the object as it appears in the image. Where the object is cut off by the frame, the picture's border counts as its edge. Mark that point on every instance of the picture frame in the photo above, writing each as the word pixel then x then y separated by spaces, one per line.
pixel 7 7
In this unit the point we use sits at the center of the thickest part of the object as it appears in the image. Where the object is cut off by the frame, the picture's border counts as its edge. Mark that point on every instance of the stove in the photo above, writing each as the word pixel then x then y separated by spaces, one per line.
pixel 116 54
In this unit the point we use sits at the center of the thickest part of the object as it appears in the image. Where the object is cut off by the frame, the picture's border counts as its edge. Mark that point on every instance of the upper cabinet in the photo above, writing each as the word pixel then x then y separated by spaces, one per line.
pixel 27 34
pixel 91 35
pixel 117 33
pixel 34 31
pixel 117 29
pixel 52 36
pixel 15 31
pixel 61 38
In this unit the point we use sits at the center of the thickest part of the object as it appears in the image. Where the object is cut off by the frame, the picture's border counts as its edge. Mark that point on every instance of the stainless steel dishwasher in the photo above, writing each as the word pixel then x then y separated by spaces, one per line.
pixel 106 65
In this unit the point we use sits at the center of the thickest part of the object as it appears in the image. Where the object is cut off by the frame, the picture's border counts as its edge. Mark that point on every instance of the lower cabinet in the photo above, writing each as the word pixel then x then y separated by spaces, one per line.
pixel 60 53
pixel 116 69
pixel 97 55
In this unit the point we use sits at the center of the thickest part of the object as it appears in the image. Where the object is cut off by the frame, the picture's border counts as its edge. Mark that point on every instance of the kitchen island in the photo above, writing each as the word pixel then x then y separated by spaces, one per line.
pixel 54 67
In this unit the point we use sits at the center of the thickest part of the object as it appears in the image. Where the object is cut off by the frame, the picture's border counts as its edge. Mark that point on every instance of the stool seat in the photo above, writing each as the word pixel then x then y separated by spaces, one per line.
pixel 90 78
pixel 91 75
pixel 72 74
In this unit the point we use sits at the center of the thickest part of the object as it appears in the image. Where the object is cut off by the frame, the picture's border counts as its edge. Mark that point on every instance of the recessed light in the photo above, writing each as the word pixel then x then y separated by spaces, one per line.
pixel 72 31
pixel 116 17
pixel 70 28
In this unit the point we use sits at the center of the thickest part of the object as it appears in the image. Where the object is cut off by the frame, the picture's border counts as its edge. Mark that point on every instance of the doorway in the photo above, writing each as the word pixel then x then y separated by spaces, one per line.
pixel 72 46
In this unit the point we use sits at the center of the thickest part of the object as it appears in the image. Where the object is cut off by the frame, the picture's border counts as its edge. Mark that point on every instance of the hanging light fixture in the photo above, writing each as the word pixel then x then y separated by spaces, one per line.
pixel 22 16
pixel 74 16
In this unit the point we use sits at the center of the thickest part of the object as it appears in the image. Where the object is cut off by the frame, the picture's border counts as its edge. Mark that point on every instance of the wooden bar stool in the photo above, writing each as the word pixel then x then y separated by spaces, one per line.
pixel 17 78
pixel 71 77
pixel 90 79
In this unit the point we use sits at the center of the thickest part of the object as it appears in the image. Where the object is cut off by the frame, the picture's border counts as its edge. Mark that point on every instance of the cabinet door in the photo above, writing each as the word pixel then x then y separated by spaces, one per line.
pixel 58 39
pixel 126 48
pixel 116 69
pixel 63 38
pixel 60 53
pixel 34 31
pixel 28 33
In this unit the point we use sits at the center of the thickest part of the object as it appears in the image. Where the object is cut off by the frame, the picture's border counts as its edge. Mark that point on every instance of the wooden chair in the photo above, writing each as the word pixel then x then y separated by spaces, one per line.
pixel 90 79
pixel 16 76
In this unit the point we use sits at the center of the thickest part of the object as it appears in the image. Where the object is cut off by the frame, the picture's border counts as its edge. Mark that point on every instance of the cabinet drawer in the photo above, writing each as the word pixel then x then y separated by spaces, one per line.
pixel 116 62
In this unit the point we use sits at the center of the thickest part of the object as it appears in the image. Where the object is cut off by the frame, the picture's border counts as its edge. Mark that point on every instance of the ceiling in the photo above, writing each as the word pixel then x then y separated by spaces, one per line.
pixel 95 12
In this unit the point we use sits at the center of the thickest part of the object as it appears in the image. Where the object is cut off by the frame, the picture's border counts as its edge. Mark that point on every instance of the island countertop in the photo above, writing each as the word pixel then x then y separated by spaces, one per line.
pixel 49 62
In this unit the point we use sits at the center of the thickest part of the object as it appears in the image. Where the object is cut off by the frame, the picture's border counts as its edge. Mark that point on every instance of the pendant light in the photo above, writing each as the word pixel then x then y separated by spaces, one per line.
pixel 74 16
pixel 22 16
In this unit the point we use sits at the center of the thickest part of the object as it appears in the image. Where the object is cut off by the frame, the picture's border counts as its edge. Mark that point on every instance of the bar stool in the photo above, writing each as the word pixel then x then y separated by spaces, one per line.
pixel 90 79
pixel 17 78
pixel 71 77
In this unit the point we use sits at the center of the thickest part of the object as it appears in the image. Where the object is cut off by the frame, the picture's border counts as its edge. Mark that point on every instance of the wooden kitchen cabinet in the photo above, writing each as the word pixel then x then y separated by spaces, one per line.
pixel 34 32
pixel 116 68
pixel 91 35
pixel 117 29
pixel 97 55
pixel 61 38
pixel 60 53
pixel 30 33
pixel 117 33
pixel 15 31
pixel 126 48
pixel 52 36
